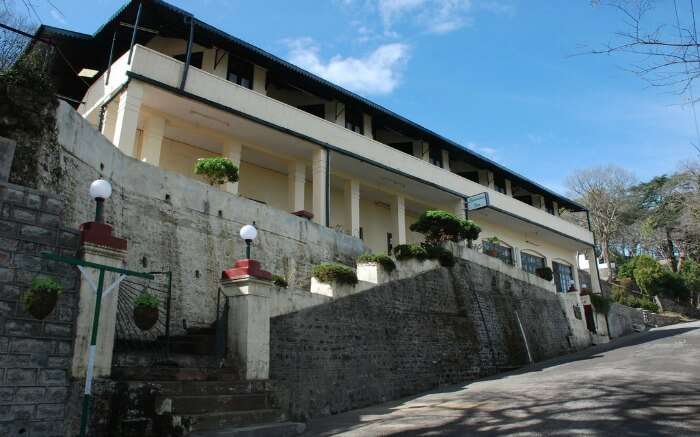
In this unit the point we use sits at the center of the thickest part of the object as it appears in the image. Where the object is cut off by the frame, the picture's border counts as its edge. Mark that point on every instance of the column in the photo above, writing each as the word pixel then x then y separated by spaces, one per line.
pixel 538 201
pixel 352 207
pixel 398 219
pixel 320 188
pixel 296 175
pixel 555 207
pixel 421 150
pixel 367 125
pixel 232 150
pixel 335 112
pixel 109 122
pixel 486 179
pixel 593 269
pixel 260 79
pixel 153 133
pixel 446 159
pixel 459 208
pixel 128 118
pixel 509 188
pixel 114 257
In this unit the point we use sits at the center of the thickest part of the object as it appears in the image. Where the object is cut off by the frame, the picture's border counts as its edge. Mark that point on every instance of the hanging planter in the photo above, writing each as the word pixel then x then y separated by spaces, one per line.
pixel 545 273
pixel 41 298
pixel 146 311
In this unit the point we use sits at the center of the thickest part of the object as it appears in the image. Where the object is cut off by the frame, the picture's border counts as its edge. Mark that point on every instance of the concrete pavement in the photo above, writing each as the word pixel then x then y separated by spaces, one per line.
pixel 647 384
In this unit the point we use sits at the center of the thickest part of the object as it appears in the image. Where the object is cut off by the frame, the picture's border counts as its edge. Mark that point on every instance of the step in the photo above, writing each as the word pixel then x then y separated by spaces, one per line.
pixel 199 404
pixel 193 388
pixel 281 429
pixel 217 421
pixel 174 374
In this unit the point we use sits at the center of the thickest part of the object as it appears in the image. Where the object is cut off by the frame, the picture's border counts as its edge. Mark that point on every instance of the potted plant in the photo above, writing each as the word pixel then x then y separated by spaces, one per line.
pixel 545 273
pixel 146 310
pixel 41 298
pixel 280 281
pixel 491 248
pixel 216 170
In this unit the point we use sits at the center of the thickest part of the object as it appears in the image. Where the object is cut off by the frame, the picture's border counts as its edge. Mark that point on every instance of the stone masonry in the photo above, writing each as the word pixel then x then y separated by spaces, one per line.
pixel 35 355
pixel 440 327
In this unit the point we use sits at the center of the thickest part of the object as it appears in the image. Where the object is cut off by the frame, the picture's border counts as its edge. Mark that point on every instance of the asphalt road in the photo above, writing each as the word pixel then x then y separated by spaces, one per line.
pixel 646 384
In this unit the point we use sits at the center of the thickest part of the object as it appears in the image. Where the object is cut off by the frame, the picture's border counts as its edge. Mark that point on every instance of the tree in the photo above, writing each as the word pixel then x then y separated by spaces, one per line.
pixel 440 227
pixel 604 192
pixel 12 44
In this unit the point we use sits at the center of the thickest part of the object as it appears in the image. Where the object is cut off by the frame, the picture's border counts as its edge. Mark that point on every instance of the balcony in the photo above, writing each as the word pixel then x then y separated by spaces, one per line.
pixel 165 71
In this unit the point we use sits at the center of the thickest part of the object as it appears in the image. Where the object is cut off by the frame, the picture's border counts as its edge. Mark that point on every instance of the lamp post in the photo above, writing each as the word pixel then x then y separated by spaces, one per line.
pixel 100 190
pixel 248 233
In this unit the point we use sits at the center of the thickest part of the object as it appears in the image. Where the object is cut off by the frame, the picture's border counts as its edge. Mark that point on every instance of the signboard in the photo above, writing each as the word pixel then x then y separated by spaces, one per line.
pixel 478 201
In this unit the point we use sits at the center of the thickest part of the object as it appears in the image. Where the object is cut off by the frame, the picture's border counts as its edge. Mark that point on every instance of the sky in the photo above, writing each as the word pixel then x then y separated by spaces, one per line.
pixel 510 79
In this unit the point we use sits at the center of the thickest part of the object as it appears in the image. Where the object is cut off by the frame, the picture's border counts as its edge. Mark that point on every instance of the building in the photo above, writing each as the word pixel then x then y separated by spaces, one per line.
pixel 168 89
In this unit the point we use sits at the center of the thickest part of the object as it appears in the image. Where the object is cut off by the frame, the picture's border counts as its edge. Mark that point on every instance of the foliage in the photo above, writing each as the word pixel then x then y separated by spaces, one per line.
pixel 146 300
pixel 334 272
pixel 422 252
pixel 216 170
pixel 545 273
pixel 41 283
pixel 441 226
pixel 280 281
pixel 384 260
pixel 656 280
pixel 601 303
pixel 638 302
pixel 442 255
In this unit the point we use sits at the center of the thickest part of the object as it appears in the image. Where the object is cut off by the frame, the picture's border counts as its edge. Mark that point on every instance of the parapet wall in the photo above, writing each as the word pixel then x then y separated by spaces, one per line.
pixel 440 327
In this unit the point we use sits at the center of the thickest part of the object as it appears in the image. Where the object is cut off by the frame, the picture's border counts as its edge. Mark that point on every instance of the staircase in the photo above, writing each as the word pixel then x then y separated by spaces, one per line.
pixel 192 395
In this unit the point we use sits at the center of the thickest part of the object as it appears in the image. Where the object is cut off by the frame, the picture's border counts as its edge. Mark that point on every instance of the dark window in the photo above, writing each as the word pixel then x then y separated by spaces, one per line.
pixel 499 183
pixel 406 147
pixel 549 206
pixel 195 58
pixel 353 120
pixel 471 175
pixel 240 71
pixel 435 156
pixel 525 199
pixel 389 246
pixel 530 263
pixel 362 237
pixel 504 253
pixel 563 276
pixel 317 110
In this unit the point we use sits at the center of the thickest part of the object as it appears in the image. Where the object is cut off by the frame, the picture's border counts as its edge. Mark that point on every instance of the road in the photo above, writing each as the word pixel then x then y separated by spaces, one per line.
pixel 647 384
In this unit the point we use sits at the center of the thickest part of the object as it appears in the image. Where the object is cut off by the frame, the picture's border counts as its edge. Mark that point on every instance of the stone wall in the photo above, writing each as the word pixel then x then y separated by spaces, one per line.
pixel 624 320
pixel 176 223
pixel 440 327
pixel 34 355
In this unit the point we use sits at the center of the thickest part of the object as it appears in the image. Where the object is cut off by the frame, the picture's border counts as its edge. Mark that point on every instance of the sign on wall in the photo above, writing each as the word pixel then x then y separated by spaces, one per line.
pixel 477 201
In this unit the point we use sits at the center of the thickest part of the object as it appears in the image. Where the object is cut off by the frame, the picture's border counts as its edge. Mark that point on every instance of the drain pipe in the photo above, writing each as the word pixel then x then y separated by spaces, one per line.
pixel 522 331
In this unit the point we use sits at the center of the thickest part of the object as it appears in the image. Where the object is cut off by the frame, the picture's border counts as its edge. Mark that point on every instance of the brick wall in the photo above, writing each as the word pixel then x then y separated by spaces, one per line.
pixel 34 355
pixel 441 327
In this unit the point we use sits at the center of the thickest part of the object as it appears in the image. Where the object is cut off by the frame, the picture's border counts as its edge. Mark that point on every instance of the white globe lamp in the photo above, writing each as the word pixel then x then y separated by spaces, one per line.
pixel 248 234
pixel 100 190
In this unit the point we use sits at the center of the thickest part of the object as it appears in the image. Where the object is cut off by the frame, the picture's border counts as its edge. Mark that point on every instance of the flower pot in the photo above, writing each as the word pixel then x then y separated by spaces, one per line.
pixel 41 303
pixel 492 253
pixel 145 317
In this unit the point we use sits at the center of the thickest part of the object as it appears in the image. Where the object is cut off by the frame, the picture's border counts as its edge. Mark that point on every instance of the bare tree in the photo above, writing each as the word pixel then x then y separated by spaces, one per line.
pixel 12 44
pixel 604 192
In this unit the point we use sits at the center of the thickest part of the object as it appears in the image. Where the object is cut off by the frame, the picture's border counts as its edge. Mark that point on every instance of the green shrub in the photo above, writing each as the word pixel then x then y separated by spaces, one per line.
pixel 545 273
pixel 601 303
pixel 387 263
pixel 442 255
pixel 441 226
pixel 45 283
pixel 334 272
pixel 146 300
pixel 657 280
pixel 690 272
pixel 621 296
pixel 279 281
pixel 422 252
pixel 216 170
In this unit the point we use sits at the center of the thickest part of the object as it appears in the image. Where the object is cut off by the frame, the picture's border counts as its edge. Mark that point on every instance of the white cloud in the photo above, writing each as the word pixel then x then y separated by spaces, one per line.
pixel 436 16
pixel 487 151
pixel 379 72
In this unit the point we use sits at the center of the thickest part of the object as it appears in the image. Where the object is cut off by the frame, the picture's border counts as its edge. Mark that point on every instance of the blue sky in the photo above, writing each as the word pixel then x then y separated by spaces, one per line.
pixel 500 76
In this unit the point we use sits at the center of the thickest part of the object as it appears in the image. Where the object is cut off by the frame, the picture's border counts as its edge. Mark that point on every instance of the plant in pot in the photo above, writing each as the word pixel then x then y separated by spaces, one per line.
pixel 491 246
pixel 146 310
pixel 545 273
pixel 216 170
pixel 41 298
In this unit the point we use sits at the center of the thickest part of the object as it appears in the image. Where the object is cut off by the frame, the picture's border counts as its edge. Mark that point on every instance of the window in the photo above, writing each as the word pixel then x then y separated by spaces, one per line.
pixel 317 110
pixel 471 175
pixel 499 183
pixel 504 253
pixel 435 156
pixel 353 120
pixel 530 263
pixel 389 246
pixel 195 58
pixel 563 276
pixel 240 71
pixel 525 199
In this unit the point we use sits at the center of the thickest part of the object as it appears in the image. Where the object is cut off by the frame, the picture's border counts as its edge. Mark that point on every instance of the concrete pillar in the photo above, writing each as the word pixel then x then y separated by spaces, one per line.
pixel 319 171
pixel 421 150
pixel 209 62
pixel 248 338
pixel 555 207
pixel 110 121
pixel 446 159
pixel 99 254
pixel 459 211
pixel 335 112
pixel 260 79
pixel 593 270
pixel 232 150
pixel 367 125
pixel 128 118
pixel 153 133
pixel 509 188
pixel 352 207
pixel 486 179
pixel 296 176
pixel 538 201
pixel 398 219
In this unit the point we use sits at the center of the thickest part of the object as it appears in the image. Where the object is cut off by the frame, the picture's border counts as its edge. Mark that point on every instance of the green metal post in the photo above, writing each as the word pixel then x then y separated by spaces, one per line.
pixel 91 356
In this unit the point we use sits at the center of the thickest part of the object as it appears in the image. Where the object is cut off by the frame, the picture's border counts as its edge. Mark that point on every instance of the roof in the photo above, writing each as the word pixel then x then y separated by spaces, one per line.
pixel 175 18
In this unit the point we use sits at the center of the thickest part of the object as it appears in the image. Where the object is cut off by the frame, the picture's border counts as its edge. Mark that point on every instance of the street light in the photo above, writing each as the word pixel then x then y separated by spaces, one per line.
pixel 100 190
pixel 248 233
